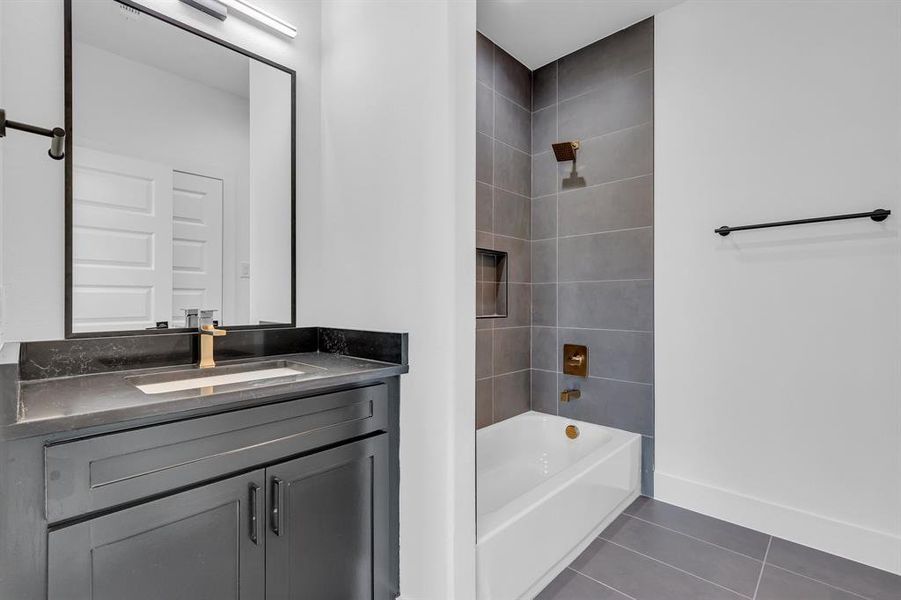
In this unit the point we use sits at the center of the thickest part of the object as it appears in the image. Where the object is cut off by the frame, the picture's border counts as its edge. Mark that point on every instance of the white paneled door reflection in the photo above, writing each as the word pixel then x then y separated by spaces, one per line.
pixel 121 242
pixel 147 242
pixel 196 244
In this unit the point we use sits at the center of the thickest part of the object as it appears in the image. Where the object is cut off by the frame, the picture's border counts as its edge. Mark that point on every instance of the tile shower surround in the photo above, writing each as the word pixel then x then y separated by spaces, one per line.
pixel 590 239
pixel 503 222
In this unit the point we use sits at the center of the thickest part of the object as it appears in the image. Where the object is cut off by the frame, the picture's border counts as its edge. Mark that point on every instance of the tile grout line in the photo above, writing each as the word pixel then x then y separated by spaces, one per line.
pixel 647 331
pixel 595 137
pixel 580 281
pixel 589 187
pixel 618 381
pixel 730 590
pixel 531 183
pixel 557 354
pixel 601 86
pixel 577 235
pixel 769 543
pixel 618 591
pixel 748 556
pixel 493 209
pixel 829 585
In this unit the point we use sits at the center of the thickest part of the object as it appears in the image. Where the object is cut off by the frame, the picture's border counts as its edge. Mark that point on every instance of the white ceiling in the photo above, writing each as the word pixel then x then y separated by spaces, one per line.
pixel 537 32
pixel 142 38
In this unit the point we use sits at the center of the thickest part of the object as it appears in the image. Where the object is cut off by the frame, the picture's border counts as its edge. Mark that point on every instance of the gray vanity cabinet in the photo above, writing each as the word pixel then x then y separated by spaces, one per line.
pixel 327 537
pixel 194 545
pixel 314 527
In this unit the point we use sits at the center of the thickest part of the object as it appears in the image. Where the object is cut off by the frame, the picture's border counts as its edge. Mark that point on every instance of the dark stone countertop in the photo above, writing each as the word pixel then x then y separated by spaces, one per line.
pixel 64 404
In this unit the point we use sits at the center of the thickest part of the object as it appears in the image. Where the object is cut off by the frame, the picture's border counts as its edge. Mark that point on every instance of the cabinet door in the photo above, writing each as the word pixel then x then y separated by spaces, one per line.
pixel 205 543
pixel 327 537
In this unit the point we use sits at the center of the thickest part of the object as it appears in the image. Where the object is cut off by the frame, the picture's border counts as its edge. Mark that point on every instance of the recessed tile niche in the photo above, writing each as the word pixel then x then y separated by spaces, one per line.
pixel 491 284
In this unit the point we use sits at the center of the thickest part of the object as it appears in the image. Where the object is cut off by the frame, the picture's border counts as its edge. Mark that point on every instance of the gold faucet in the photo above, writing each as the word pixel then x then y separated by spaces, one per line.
pixel 567 395
pixel 207 332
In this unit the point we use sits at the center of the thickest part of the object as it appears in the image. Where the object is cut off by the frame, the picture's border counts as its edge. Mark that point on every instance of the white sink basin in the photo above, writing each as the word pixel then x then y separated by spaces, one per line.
pixel 164 383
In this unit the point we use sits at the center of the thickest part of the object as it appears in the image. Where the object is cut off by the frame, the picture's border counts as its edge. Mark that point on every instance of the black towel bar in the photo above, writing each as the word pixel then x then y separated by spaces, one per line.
pixel 880 214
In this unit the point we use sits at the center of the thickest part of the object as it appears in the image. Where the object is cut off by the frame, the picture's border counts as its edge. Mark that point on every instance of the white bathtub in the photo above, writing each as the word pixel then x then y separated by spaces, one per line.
pixel 543 497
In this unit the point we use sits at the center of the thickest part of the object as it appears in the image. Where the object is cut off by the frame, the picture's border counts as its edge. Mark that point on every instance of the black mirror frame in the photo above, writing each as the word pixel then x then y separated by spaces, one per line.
pixel 67 8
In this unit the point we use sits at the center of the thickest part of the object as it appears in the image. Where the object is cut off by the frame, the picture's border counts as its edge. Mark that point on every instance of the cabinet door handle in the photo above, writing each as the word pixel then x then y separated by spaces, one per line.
pixel 276 515
pixel 254 511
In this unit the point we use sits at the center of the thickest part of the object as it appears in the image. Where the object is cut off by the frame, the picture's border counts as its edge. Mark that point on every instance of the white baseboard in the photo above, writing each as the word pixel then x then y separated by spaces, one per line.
pixel 875 548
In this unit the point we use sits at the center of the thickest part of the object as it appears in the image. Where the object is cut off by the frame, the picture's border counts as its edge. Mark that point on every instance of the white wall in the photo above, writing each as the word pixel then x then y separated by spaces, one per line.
pixel 31 68
pixel 270 240
pixel 778 352
pixel 398 220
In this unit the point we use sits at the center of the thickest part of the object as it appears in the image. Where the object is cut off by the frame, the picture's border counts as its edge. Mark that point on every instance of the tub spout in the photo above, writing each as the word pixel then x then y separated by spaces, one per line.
pixel 567 395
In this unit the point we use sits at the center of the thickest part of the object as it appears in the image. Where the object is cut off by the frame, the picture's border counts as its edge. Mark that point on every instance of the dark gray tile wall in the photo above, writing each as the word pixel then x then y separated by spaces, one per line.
pixel 592 249
pixel 657 551
pixel 504 222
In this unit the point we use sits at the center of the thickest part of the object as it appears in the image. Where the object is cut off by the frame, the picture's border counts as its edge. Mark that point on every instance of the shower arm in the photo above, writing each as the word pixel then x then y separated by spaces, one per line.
pixel 57 135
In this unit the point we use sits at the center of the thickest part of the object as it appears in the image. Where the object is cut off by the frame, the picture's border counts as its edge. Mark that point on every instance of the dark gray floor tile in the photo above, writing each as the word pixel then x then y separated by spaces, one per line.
pixel 512 170
pixel 544 129
pixel 511 395
pixel 544 218
pixel 570 585
pixel 512 349
pixel 544 348
pixel 484 160
pixel 519 257
pixel 544 304
pixel 647 466
pixel 484 350
pixel 544 261
pixel 484 60
pixel 861 579
pixel 484 207
pixel 627 254
pixel 484 402
pixel 544 86
pixel 617 56
pixel 619 155
pixel 512 124
pixel 625 305
pixel 728 535
pixel 737 572
pixel 544 392
pixel 625 355
pixel 628 406
pixel 545 175
pixel 644 578
pixel 484 109
pixel 519 306
pixel 616 105
pixel 512 214
pixel 617 205
pixel 512 79
pixel 776 584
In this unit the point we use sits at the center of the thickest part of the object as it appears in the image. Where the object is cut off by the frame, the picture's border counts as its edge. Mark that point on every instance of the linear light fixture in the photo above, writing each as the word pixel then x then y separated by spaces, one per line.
pixel 214 8
pixel 262 17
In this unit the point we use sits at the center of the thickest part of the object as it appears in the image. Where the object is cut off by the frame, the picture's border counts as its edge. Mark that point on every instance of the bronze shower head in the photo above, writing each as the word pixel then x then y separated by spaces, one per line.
pixel 565 150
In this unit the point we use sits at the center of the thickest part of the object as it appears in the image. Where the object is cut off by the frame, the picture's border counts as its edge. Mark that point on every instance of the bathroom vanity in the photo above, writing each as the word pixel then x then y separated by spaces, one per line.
pixel 276 487
pixel 186 440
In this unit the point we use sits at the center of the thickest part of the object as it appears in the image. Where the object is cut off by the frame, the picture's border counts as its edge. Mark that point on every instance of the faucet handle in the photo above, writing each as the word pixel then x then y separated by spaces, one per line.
pixel 206 323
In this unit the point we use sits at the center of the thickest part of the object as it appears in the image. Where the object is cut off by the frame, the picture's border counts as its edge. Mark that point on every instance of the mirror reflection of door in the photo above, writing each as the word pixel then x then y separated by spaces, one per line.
pixel 147 242
pixel 122 208
pixel 196 245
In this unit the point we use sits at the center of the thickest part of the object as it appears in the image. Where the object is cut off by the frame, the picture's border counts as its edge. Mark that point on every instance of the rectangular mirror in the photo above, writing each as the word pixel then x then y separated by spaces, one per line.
pixel 179 176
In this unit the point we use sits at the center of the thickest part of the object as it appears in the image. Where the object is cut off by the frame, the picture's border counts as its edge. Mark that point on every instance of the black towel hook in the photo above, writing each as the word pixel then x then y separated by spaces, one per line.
pixel 57 135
